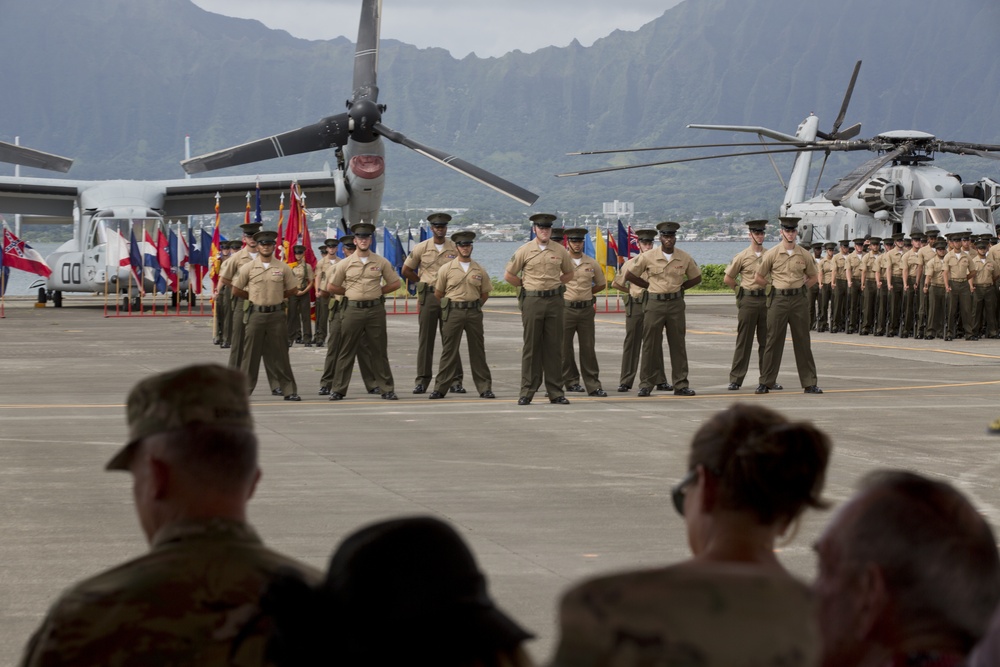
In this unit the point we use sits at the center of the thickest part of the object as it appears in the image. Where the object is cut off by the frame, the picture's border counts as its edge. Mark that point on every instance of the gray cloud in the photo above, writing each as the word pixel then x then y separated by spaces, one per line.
pixel 461 26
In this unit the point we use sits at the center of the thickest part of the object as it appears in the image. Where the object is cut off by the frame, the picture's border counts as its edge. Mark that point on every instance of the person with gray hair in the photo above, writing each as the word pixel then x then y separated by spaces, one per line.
pixel 909 574
pixel 192 453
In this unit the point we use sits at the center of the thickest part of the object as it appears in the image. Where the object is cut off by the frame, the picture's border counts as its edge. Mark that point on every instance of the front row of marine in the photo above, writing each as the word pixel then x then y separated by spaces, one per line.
pixel 908 571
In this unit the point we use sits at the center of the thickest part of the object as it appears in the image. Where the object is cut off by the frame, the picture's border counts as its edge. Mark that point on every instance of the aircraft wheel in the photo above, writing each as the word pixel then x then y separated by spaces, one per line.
pixel 57 299
pixel 192 298
pixel 173 299
pixel 43 296
pixel 137 304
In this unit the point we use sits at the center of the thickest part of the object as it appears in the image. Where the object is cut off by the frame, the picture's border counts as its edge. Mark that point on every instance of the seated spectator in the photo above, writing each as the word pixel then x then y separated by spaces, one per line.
pixel 399 592
pixel 987 652
pixel 908 575
pixel 751 474
pixel 192 453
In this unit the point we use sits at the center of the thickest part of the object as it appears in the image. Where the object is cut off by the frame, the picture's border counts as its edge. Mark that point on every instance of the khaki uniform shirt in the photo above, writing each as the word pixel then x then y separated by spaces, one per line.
pixel 427 261
pixel 744 265
pixel 854 263
pixel 893 261
pixel 787 271
pixel 182 603
pixel 994 254
pixel 936 270
pixel 620 283
pixel 323 266
pixel 826 270
pixel 869 266
pixel 303 275
pixel 958 266
pixel 840 262
pixel 461 285
pixel 236 261
pixel 585 277
pixel 926 253
pixel 540 269
pixel 911 263
pixel 666 277
pixel 363 280
pixel 985 270
pixel 266 286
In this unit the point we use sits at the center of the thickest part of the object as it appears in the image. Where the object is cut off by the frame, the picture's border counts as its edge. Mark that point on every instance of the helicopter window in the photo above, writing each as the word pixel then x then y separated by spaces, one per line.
pixel 982 215
pixel 918 220
pixel 939 215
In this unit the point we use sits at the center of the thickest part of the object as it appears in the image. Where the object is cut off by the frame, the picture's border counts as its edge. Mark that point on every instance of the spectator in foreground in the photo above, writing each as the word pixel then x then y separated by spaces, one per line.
pixel 908 575
pixel 192 453
pixel 399 592
pixel 751 474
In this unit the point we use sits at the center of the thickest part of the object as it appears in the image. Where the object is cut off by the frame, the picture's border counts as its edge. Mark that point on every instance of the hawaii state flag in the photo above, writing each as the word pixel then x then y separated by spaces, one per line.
pixel 151 263
pixel 165 261
pixel 19 255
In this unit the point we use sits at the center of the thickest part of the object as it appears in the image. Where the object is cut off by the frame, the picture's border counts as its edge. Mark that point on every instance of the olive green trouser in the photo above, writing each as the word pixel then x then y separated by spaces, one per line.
pixel 751 322
pixel 541 352
pixel 333 350
pixel 322 318
pixel 299 321
pixel 237 341
pixel 428 325
pixel 660 316
pixel 266 336
pixel 936 311
pixel 470 322
pixel 984 301
pixel 359 324
pixel 959 305
pixel 784 313
pixel 579 323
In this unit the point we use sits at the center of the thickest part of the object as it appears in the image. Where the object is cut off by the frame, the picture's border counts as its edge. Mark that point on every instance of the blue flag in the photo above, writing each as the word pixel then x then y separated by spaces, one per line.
pixel 195 252
pixel 588 246
pixel 623 241
pixel 257 216
pixel 4 274
pixel 340 246
pixel 424 233
pixel 135 259
pixel 389 252
pixel 206 246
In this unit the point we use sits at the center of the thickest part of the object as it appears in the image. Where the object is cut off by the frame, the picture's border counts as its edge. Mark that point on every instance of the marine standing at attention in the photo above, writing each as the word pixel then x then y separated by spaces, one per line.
pixel 266 282
pixel 671 271
pixel 578 318
pixel 299 322
pixel 221 297
pixel 791 271
pixel 541 269
pixel 751 304
pixel 422 266
pixel 321 276
pixel 462 288
pixel 827 272
pixel 635 301
pixel 364 278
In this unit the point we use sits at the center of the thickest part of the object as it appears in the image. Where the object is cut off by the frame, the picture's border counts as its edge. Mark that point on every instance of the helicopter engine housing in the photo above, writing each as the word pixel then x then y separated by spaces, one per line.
pixel 878 194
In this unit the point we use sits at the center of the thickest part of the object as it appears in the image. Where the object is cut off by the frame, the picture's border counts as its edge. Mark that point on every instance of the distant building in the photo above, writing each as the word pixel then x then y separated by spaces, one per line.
pixel 619 209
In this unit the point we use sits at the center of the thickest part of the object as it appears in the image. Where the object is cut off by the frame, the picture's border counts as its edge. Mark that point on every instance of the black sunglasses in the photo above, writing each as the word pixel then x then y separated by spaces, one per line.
pixel 678 492
pixel 463 243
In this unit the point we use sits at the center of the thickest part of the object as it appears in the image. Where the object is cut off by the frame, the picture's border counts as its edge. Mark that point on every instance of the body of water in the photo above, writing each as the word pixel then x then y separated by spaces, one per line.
pixel 492 255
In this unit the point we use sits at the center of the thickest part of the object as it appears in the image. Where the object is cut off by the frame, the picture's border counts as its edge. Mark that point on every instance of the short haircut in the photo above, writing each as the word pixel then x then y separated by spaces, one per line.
pixel 225 458
pixel 766 464
pixel 937 555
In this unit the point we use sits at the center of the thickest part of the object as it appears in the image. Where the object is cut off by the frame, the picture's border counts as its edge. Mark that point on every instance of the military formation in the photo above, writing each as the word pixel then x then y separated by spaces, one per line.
pixel 920 286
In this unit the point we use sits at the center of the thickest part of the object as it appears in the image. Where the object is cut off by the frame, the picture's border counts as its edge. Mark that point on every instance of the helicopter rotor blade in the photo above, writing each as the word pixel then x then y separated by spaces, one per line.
pixel 847 100
pixel 327 133
pixel 849 184
pixel 967 150
pixel 29 157
pixel 670 148
pixel 366 53
pixel 849 132
pixel 692 159
pixel 472 171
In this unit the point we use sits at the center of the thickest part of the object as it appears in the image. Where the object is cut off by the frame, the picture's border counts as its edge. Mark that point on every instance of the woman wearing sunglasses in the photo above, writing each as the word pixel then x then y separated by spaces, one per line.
pixel 751 474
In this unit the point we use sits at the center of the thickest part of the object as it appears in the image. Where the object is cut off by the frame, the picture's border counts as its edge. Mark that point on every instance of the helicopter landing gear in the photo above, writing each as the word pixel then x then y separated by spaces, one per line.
pixel 191 298
pixel 57 299
pixel 43 297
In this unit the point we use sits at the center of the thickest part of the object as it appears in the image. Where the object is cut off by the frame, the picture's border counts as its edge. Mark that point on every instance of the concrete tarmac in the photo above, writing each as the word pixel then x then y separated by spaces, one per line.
pixel 545 494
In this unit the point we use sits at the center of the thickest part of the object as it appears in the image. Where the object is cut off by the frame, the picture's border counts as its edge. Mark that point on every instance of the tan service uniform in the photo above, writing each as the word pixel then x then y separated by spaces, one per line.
pixel 984 297
pixel 936 272
pixel 789 309
pixel 299 307
pixel 266 332
pixel 635 303
pixel 826 279
pixel 323 268
pixel 959 297
pixel 853 318
pixel 427 260
pixel 912 264
pixel 838 316
pixel 578 321
pixel 751 318
pixel 665 310
pixel 926 253
pixel 869 269
pixel 893 269
pixel 541 315
pixel 237 311
pixel 363 318
pixel 463 292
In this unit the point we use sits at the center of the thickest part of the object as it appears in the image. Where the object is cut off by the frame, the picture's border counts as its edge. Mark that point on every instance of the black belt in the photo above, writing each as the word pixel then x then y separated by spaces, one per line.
pixel 754 292
pixel 790 292
pixel 842 280
pixel 660 296
pixel 983 284
pixel 265 309
pixel 897 279
pixel 364 304
pixel 542 292
pixel 465 305
pixel 580 304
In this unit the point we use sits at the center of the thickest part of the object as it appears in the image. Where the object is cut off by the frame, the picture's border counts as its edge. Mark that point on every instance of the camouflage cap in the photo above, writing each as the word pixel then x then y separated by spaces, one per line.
pixel 208 394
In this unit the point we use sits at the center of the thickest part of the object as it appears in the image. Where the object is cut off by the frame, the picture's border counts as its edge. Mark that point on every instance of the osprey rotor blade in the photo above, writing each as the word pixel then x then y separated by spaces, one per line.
pixel 366 53
pixel 472 171
pixel 847 185
pixel 692 159
pixel 329 132
pixel 29 157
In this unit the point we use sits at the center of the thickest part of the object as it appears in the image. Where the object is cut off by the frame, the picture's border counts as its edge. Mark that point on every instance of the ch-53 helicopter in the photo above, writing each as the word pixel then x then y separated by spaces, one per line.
pixel 98 210
pixel 359 178
pixel 896 191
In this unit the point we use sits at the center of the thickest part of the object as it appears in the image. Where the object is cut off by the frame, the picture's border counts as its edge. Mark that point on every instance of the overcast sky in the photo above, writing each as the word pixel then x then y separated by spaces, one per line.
pixel 461 26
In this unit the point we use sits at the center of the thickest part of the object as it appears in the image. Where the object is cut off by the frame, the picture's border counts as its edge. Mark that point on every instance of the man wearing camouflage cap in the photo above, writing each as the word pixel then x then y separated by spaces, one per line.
pixel 192 453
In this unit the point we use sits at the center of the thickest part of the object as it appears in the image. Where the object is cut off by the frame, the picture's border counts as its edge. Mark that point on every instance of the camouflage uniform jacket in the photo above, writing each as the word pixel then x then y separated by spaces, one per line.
pixel 182 603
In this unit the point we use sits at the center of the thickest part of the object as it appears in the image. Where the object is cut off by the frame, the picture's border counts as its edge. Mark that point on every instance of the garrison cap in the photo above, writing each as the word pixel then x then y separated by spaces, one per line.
pixel 829 245
pixel 463 237
pixel 250 228
pixel 265 237
pixel 542 219
pixel 940 244
pixel 576 234
pixel 666 228
pixel 789 222
pixel 363 229
pixel 647 235
pixel 331 243
pixel 756 225
pixel 208 394
pixel 299 248
pixel 439 218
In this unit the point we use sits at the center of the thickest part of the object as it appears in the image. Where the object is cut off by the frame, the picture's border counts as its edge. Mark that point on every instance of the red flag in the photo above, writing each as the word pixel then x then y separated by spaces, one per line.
pixel 292 230
pixel 279 250
pixel 163 257
pixel 19 255
pixel 213 261
pixel 304 233
pixel 633 242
